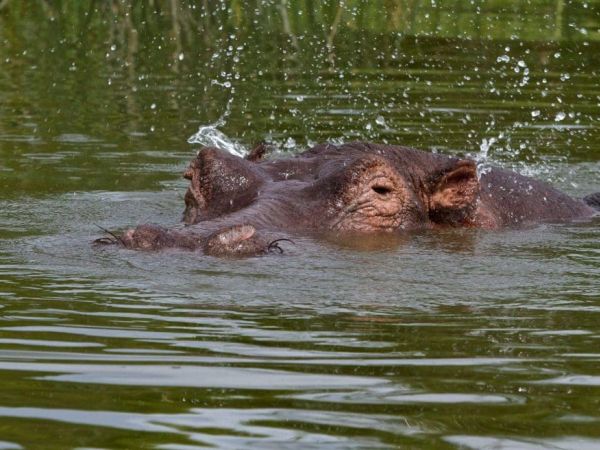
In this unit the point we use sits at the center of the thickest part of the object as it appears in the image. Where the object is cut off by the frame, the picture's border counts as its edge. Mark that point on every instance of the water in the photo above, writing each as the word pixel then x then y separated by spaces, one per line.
pixel 210 136
pixel 455 339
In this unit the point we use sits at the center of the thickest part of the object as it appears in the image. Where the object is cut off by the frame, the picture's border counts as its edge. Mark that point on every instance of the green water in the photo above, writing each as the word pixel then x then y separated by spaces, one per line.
pixel 458 339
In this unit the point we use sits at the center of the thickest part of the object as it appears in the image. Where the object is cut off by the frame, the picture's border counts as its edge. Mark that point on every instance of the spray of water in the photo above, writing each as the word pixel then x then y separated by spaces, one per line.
pixel 483 166
pixel 211 136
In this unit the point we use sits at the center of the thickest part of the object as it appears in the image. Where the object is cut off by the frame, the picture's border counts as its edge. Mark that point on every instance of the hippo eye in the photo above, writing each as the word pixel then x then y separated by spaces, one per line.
pixel 381 190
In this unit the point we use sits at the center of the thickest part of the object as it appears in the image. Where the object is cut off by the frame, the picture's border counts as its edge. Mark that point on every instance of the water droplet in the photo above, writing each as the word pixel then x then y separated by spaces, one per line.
pixel 290 143
pixel 180 57
pixel 560 116
pixel 535 113
pixel 153 106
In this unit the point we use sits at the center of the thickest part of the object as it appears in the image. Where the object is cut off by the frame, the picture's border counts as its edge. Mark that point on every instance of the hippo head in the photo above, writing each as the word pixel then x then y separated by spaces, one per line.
pixel 241 207
pixel 351 188
pixel 236 206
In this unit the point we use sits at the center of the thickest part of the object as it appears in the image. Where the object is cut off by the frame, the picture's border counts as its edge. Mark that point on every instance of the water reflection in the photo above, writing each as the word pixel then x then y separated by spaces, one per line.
pixel 238 428
pixel 475 442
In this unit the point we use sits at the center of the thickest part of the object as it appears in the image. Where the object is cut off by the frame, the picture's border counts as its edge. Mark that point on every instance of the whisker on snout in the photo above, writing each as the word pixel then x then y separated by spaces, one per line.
pixel 274 245
pixel 113 239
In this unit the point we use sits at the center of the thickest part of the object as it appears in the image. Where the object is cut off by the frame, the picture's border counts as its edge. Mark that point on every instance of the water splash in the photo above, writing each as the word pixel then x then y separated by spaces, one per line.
pixel 211 136
pixel 483 155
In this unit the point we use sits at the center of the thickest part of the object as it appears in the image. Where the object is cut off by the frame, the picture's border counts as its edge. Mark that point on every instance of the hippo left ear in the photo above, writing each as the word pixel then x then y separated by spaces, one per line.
pixel 454 194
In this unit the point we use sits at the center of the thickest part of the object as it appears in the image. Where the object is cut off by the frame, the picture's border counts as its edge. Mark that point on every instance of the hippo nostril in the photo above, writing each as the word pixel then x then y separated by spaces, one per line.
pixel 381 190
pixel 237 240
pixel 236 234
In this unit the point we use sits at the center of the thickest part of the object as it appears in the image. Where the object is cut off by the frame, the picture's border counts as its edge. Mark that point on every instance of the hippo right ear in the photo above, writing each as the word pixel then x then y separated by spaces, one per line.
pixel 454 193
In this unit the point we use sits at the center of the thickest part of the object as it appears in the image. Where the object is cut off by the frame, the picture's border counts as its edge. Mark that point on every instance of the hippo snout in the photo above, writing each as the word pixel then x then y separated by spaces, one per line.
pixel 236 241
pixel 231 241
pixel 148 237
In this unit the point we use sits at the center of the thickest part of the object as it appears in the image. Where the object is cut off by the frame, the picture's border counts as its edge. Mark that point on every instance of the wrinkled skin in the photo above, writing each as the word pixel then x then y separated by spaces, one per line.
pixel 239 207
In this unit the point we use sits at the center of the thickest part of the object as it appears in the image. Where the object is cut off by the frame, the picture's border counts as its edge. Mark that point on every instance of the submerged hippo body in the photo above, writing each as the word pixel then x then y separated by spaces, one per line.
pixel 237 207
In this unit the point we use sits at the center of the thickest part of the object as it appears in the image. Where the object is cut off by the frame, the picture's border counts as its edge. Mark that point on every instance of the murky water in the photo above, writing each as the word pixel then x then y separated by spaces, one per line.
pixel 455 339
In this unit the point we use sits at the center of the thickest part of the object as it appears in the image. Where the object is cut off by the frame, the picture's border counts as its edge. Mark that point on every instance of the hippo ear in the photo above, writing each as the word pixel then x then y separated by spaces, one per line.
pixel 454 194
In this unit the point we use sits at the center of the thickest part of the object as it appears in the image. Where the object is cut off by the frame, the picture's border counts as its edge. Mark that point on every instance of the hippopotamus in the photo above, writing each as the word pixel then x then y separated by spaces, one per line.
pixel 240 206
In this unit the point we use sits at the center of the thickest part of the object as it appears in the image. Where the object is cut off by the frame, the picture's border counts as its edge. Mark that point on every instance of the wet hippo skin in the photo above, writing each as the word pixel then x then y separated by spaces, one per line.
pixel 236 206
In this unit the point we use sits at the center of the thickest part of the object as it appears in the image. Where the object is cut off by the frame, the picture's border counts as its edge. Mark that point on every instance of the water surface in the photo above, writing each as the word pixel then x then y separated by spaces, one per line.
pixel 458 339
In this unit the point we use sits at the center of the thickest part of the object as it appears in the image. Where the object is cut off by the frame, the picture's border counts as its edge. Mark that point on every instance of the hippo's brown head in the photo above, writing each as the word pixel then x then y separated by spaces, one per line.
pixel 350 188
pixel 241 207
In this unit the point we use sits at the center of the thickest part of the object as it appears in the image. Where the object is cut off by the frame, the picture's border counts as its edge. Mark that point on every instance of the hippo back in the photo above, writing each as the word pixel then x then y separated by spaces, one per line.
pixel 516 199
